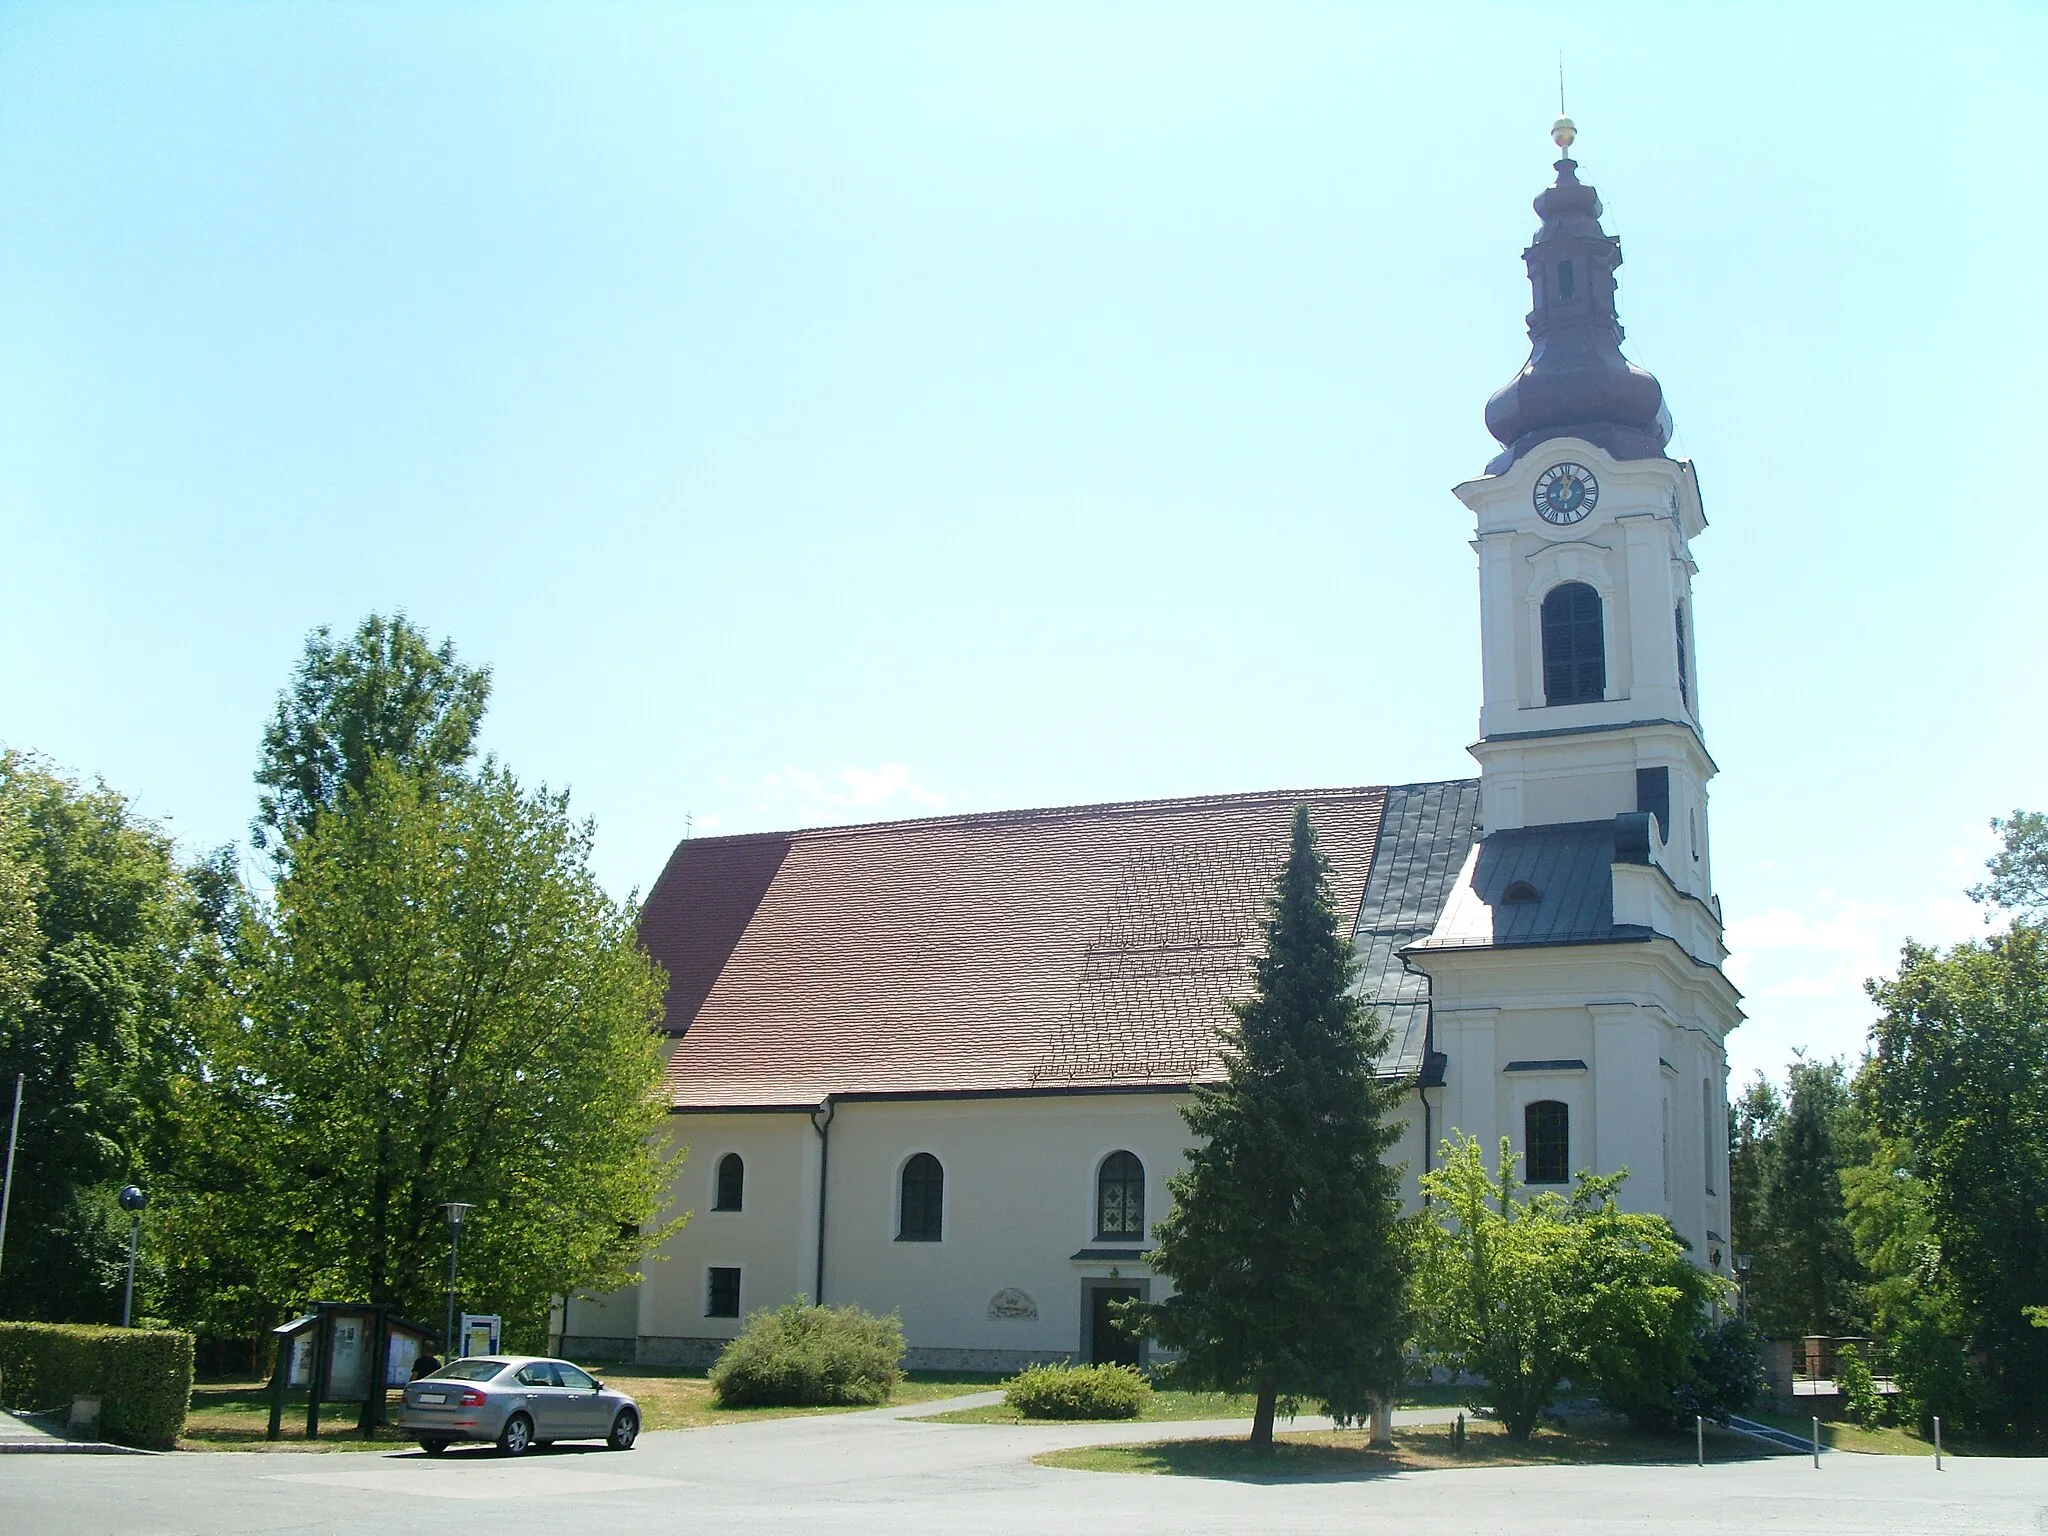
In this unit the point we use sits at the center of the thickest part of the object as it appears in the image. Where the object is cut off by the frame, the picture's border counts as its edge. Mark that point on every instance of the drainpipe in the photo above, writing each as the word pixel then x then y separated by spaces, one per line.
pixel 1428 1132
pixel 823 1127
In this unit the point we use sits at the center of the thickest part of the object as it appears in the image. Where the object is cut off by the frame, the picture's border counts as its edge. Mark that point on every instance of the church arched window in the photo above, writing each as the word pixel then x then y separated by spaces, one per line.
pixel 731 1193
pixel 920 1213
pixel 1547 1141
pixel 1120 1196
pixel 1574 645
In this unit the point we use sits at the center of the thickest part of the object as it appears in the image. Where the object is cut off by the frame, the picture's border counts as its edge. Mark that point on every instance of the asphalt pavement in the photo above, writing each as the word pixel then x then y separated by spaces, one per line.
pixel 885 1474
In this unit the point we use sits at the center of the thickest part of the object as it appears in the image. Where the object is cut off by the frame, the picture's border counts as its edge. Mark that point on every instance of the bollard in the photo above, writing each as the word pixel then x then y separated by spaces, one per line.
pixel 1699 1429
pixel 1937 1442
pixel 1816 1441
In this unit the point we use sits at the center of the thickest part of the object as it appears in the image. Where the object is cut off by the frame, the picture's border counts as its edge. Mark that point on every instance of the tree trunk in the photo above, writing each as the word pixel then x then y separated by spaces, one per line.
pixel 1262 1419
pixel 1381 1433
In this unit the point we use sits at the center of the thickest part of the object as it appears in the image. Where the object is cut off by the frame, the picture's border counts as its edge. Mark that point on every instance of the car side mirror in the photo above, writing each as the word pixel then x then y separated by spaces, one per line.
pixel 596 1385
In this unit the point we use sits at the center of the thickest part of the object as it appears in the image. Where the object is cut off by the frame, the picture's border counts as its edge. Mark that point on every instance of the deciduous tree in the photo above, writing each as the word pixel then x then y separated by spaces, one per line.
pixel 1960 1086
pixel 96 921
pixel 386 693
pixel 443 1005
pixel 1522 1293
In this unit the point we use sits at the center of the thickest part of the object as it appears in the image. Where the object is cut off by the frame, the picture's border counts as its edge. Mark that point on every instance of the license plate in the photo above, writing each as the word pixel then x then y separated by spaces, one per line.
pixel 433 1397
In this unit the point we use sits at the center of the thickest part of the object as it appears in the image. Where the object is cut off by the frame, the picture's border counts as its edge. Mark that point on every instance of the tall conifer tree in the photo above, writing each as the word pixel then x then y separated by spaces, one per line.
pixel 1284 1243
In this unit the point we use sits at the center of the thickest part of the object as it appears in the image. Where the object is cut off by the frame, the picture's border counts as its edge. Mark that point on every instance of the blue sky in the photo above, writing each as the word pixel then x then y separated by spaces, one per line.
pixel 829 412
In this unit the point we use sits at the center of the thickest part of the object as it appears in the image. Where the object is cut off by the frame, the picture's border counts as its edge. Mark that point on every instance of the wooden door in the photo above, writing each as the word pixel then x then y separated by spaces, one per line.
pixel 1107 1343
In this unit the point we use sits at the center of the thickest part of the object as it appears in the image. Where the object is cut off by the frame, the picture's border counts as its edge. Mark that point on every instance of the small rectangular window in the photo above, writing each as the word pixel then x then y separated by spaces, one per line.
pixel 1566 288
pixel 722 1298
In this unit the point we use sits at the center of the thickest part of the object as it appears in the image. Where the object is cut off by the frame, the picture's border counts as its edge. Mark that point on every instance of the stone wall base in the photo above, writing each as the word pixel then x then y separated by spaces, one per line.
pixel 586 1346
pixel 1004 1361
pixel 699 1354
pixel 693 1354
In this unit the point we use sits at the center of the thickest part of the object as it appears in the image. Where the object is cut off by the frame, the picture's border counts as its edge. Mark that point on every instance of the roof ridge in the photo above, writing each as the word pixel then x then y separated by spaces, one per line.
pixel 1345 792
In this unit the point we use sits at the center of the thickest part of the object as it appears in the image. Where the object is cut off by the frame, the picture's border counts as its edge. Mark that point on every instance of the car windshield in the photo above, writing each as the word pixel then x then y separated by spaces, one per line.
pixel 470 1370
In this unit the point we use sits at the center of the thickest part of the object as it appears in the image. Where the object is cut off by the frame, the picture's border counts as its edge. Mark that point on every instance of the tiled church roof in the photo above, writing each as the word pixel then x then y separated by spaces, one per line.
pixel 1092 946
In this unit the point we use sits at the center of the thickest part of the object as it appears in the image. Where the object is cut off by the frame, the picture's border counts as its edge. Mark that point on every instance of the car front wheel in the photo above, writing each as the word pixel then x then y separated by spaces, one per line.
pixel 516 1436
pixel 625 1430
pixel 434 1447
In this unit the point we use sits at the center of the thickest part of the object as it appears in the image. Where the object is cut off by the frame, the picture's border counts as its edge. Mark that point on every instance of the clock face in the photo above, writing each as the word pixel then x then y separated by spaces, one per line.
pixel 1565 493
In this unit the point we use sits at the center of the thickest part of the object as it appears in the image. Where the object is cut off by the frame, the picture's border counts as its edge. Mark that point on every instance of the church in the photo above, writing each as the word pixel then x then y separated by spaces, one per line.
pixel 935 1067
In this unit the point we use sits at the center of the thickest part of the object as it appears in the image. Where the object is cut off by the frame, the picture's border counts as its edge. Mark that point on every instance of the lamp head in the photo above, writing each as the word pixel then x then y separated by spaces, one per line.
pixel 132 1198
pixel 456 1209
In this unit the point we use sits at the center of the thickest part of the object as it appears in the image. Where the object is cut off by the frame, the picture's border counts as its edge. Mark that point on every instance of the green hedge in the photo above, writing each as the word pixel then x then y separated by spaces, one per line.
pixel 801 1356
pixel 142 1377
pixel 1078 1392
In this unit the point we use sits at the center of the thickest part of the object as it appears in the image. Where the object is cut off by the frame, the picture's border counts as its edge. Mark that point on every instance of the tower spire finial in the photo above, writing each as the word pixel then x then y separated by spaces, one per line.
pixel 1564 130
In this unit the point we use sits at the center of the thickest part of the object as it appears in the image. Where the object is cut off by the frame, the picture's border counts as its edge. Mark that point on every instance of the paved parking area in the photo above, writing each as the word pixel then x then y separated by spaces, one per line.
pixel 884 1474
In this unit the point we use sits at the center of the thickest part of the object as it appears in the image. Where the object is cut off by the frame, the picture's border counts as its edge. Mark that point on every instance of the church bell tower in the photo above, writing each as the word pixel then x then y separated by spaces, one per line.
pixel 1577 991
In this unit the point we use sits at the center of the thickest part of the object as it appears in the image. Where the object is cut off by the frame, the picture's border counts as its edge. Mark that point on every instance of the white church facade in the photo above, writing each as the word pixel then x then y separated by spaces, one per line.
pixel 935 1067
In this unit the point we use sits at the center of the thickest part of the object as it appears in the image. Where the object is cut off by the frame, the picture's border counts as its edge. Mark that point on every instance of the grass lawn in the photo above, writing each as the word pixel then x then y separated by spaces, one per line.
pixel 1165 1407
pixel 1343 1453
pixel 234 1415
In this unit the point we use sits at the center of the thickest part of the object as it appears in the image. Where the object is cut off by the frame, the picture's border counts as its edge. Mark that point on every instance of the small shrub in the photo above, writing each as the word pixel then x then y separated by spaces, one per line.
pixel 1078 1392
pixel 142 1377
pixel 801 1356
pixel 1859 1388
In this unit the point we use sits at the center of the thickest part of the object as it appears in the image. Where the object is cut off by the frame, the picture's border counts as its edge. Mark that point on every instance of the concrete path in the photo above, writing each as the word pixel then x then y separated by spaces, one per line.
pixel 886 1474
pixel 22 1436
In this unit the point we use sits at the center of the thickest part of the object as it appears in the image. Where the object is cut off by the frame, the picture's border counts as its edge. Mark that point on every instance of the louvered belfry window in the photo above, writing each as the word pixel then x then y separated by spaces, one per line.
pixel 921 1214
pixel 1574 646
pixel 1120 1197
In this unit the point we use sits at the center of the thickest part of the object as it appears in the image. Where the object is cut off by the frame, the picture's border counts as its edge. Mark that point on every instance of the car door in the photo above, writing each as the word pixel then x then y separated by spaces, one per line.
pixel 582 1404
pixel 544 1405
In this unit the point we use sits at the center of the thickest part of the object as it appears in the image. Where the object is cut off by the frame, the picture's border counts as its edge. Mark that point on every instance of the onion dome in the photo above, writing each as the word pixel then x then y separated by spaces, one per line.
pixel 1576 382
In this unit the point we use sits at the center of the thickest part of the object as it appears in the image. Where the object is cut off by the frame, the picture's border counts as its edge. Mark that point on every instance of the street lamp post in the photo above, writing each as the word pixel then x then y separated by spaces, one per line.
pixel 133 1200
pixel 1742 1283
pixel 456 1209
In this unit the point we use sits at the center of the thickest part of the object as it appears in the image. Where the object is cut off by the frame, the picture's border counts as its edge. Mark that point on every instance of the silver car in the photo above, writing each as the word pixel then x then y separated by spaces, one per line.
pixel 519 1401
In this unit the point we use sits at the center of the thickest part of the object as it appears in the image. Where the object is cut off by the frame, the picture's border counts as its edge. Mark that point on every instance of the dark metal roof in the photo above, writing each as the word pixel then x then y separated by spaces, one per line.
pixel 1425 832
pixel 1571 868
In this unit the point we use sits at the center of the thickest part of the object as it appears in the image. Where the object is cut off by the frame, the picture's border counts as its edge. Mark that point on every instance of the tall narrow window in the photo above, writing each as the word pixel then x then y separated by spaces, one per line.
pixel 1707 1158
pixel 722 1291
pixel 1120 1197
pixel 1547 1138
pixel 921 1212
pixel 1665 1106
pixel 1574 645
pixel 1684 682
pixel 1566 288
pixel 732 1183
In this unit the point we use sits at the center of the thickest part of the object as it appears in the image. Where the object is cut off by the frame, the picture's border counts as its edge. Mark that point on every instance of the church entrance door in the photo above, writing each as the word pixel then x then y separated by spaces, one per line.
pixel 1107 1343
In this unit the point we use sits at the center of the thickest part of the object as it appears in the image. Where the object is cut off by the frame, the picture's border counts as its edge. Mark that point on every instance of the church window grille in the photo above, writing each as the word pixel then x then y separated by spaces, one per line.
pixel 1547 1139
pixel 1566 287
pixel 722 1291
pixel 732 1183
pixel 1684 683
pixel 1120 1197
pixel 1574 645
pixel 920 1215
